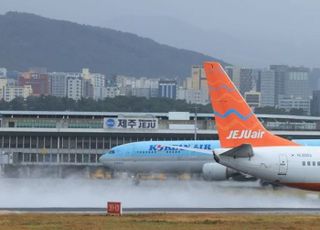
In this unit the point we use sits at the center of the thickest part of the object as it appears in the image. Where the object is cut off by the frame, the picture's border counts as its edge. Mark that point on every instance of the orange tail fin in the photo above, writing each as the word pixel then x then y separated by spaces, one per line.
pixel 236 122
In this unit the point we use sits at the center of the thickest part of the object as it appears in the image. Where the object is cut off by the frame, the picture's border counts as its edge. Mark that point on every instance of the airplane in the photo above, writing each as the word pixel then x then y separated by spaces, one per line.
pixel 156 156
pixel 165 157
pixel 247 147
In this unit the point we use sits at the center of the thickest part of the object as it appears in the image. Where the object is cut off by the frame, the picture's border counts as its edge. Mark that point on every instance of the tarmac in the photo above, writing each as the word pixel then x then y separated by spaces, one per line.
pixel 76 195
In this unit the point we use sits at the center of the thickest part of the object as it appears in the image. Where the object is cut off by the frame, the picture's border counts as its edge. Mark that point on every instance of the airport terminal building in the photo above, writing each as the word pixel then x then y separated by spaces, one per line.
pixel 61 143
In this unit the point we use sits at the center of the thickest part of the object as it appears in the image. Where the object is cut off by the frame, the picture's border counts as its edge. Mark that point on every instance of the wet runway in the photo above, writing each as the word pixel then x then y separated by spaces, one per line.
pixel 151 196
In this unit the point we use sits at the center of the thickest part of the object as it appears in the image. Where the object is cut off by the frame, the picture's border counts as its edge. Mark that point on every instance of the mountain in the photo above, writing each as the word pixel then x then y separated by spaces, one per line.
pixel 246 47
pixel 28 40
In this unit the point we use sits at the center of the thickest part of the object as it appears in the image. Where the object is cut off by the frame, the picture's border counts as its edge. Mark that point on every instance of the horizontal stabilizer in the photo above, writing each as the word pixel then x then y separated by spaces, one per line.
pixel 242 151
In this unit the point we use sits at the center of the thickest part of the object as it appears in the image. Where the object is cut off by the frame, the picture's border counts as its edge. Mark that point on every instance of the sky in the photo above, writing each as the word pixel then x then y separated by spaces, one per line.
pixel 248 32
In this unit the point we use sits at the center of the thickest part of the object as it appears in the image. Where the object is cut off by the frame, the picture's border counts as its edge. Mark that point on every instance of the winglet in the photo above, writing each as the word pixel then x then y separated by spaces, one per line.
pixel 236 123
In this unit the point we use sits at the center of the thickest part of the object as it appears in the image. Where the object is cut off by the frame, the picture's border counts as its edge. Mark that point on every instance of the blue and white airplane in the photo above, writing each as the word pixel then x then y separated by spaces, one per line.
pixel 158 156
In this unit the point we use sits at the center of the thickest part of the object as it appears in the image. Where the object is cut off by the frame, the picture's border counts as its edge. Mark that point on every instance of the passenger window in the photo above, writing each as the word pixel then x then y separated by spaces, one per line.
pixel 318 163
pixel 308 163
pixel 304 163
pixel 313 163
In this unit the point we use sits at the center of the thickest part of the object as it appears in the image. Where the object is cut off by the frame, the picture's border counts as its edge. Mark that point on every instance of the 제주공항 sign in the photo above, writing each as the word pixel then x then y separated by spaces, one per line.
pixel 130 123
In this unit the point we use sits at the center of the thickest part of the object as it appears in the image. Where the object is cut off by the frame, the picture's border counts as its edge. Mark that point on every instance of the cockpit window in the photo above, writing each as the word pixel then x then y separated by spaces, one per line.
pixel 111 152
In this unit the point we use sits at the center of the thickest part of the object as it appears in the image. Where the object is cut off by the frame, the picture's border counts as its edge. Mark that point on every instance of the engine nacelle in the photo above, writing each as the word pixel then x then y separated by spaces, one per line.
pixel 215 171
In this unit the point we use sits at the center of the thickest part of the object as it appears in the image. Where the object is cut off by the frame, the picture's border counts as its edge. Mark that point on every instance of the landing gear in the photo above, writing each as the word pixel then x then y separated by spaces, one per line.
pixel 136 179
pixel 274 185
pixel 242 177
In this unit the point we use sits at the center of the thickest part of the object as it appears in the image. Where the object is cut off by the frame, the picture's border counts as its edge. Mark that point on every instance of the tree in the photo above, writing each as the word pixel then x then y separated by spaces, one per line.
pixel 295 111
pixel 17 104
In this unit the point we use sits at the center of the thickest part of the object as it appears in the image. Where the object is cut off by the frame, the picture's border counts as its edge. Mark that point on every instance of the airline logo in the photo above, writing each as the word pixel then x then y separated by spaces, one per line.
pixel 167 148
pixel 245 134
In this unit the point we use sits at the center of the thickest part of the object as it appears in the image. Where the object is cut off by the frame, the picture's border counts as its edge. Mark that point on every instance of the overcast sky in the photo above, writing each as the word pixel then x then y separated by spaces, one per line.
pixel 243 32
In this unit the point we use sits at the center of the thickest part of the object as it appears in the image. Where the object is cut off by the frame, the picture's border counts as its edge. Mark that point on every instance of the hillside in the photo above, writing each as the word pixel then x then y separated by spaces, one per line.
pixel 28 40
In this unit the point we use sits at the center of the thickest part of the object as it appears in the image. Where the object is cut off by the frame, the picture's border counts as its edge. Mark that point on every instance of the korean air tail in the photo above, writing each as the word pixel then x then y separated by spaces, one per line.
pixel 236 123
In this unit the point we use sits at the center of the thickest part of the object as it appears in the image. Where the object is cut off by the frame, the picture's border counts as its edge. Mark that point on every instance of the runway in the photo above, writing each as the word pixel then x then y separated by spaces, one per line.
pixel 93 210
pixel 75 195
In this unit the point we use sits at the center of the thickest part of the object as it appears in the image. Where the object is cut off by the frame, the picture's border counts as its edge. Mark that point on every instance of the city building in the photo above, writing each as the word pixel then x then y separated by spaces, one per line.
pixel 194 96
pixel 315 103
pixel 98 83
pixel 297 83
pixel 253 98
pixel 3 72
pixel 111 92
pixel 74 87
pixel 249 80
pixel 39 82
pixel 289 103
pixel 314 81
pixel 58 84
pixel 3 84
pixel 195 88
pixel 199 80
pixel 292 86
pixel 124 84
pixel 87 88
pixel 11 92
pixel 138 87
pixel 168 89
pixel 280 74
pixel 234 74
pixel 267 88
pixel 93 84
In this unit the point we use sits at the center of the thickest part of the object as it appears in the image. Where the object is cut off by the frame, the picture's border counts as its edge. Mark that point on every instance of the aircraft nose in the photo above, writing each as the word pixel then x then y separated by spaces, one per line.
pixel 103 158
pixel 107 156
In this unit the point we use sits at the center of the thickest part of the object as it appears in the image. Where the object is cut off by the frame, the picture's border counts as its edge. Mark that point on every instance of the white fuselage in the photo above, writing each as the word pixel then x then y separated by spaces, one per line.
pixel 296 166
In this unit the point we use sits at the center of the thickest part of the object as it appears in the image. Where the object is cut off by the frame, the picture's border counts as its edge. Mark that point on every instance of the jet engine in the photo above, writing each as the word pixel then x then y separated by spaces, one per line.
pixel 214 171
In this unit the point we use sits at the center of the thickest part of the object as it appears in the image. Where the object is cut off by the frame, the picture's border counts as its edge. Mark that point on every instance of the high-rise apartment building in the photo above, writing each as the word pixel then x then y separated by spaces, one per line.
pixel 87 88
pixel 138 87
pixel 3 72
pixel 198 78
pixel 3 84
pixel 195 88
pixel 38 81
pixel 168 89
pixel 297 83
pixel 58 84
pixel 314 80
pixel 11 92
pixel 315 103
pixel 267 88
pixel 280 74
pixel 234 74
pixel 111 91
pixel 74 87
pixel 93 84
pixel 249 80
pixel 292 85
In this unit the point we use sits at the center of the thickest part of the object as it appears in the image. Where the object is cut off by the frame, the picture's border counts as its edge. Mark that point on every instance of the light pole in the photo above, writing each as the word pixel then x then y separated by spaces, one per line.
pixel 195 122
